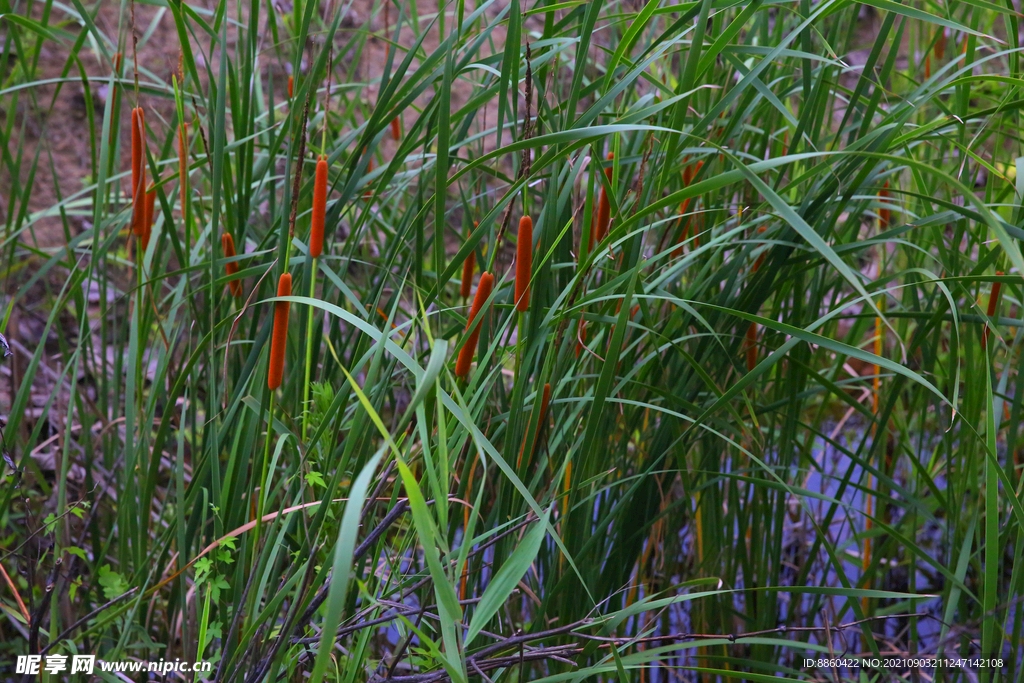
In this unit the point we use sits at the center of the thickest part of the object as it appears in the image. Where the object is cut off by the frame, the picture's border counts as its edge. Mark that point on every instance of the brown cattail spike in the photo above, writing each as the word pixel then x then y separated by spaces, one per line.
pixel 993 306
pixel 940 44
pixel 604 209
pixel 228 244
pixel 540 424
pixel 750 345
pixel 277 344
pixel 467 271
pixel 396 128
pixel 483 291
pixel 147 227
pixel 138 171
pixel 316 230
pixel 524 263
pixel 291 86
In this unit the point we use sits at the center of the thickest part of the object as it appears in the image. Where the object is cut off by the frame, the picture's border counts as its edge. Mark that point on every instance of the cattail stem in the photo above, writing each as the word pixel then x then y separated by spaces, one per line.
pixel 309 352
pixel 261 500
pixel 467 271
pixel 183 181
pixel 114 97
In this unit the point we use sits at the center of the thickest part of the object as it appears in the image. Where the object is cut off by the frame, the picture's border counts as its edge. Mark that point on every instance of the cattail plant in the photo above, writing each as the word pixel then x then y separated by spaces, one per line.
pixel 524 263
pixel 884 214
pixel 316 229
pixel 138 171
pixel 396 129
pixel 483 291
pixel 227 243
pixel 291 86
pixel 940 44
pixel 750 344
pixel 183 157
pixel 604 210
pixel 117 92
pixel 467 270
pixel 993 305
pixel 546 396
pixel 147 224
pixel 279 340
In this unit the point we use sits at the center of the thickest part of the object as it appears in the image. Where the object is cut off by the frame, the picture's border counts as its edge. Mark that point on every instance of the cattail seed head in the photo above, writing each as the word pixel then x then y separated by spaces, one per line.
pixel 396 128
pixel 750 345
pixel 138 171
pixel 524 263
pixel 940 44
pixel 147 227
pixel 316 230
pixel 291 86
pixel 467 274
pixel 280 338
pixel 483 291
pixel 228 244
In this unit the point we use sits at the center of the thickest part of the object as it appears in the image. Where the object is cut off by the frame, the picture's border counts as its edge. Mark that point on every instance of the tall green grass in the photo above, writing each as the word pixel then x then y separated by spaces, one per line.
pixel 677 513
